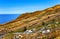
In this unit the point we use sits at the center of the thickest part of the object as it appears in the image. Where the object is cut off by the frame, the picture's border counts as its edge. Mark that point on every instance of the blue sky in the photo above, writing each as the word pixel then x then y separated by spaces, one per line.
pixel 22 6
pixel 11 9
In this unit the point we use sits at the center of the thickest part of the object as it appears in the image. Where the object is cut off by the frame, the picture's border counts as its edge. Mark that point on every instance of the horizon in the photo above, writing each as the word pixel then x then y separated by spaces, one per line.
pixel 17 7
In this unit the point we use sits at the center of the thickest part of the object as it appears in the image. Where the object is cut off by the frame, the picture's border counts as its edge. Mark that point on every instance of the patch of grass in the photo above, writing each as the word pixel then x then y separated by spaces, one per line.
pixel 8 36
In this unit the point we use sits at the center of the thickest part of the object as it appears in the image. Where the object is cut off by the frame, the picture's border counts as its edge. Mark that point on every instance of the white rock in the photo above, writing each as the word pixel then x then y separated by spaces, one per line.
pixel 57 22
pixel 20 35
pixel 43 31
pixel 27 32
pixel 48 30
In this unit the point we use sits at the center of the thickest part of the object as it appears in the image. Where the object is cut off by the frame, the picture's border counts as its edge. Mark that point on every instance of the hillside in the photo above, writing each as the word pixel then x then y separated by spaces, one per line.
pixel 48 19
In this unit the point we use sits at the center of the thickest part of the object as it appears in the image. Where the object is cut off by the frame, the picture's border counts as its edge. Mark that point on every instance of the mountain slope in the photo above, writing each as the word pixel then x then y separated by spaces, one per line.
pixel 37 20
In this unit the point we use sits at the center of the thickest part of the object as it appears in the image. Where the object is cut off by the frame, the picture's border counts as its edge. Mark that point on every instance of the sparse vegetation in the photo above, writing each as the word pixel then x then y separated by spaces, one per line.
pixel 46 24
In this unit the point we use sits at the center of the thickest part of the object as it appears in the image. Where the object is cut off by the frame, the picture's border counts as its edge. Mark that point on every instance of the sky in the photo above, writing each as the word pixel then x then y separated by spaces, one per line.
pixel 22 6
pixel 11 9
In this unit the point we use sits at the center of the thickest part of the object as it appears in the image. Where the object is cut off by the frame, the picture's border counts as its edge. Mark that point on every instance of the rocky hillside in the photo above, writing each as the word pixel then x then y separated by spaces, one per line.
pixel 48 19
